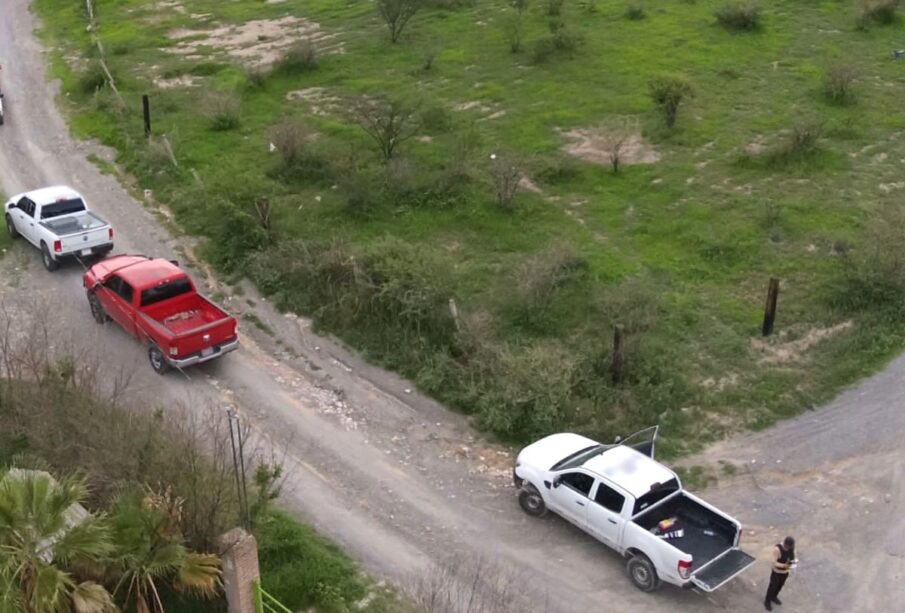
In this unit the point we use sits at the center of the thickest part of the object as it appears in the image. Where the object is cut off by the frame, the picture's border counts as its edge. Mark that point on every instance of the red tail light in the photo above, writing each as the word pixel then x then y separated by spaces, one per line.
pixel 684 569
pixel 58 246
pixel 110 233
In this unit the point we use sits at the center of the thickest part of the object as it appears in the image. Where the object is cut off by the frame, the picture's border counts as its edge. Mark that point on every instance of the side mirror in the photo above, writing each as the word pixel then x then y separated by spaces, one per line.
pixel 11 206
pixel 617 440
pixel 557 480
pixel 175 263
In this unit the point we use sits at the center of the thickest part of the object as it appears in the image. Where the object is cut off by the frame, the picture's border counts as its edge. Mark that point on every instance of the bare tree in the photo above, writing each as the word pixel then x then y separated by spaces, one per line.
pixel 506 172
pixel 397 13
pixel 388 122
pixel 466 584
pixel 616 136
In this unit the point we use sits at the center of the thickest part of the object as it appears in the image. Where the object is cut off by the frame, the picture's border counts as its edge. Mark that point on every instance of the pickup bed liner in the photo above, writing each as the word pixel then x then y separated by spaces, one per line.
pixel 185 313
pixel 694 519
pixel 73 224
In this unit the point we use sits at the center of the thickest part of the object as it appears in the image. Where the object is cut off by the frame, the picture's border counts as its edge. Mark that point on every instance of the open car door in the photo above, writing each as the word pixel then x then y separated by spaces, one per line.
pixel 642 441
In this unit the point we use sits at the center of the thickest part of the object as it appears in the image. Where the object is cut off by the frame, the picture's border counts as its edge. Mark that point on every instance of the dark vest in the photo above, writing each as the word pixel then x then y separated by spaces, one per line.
pixel 785 556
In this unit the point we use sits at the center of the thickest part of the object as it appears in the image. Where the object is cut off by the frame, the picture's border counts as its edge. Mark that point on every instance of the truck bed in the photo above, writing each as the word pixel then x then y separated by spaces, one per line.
pixel 74 224
pixel 184 314
pixel 694 519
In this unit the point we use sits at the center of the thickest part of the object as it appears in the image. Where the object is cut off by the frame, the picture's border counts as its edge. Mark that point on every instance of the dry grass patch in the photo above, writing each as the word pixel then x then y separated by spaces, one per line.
pixel 596 146
pixel 260 42
pixel 779 351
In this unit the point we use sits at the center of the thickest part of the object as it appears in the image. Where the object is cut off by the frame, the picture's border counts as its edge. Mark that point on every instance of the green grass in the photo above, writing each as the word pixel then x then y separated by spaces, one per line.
pixel 679 251
pixel 302 570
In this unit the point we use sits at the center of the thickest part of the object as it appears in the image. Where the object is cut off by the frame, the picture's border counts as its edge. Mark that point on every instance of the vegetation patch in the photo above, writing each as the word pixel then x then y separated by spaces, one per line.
pixel 414 196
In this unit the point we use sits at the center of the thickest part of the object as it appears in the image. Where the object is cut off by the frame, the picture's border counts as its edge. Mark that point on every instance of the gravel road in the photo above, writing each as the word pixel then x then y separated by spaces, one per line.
pixel 404 484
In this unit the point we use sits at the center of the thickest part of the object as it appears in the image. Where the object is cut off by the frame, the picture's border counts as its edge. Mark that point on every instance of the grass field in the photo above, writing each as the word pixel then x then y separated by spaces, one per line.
pixel 768 171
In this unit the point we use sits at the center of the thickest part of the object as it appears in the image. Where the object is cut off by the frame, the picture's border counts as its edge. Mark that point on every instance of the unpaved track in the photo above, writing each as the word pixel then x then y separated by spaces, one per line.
pixel 401 482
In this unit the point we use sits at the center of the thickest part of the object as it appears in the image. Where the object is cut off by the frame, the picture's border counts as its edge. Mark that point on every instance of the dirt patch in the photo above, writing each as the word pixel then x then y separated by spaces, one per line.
pixel 793 351
pixel 259 42
pixel 596 146
pixel 176 82
pixel 318 100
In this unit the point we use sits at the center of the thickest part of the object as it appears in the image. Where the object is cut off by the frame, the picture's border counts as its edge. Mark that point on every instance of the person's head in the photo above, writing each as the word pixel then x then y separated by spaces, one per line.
pixel 788 543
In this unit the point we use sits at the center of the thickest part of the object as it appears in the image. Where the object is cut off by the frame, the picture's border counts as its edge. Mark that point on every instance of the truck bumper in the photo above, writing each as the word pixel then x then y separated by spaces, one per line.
pixel 97 250
pixel 198 358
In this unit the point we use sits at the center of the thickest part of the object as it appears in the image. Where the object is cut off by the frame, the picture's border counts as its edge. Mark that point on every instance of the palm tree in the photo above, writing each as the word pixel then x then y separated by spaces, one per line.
pixel 150 548
pixel 44 533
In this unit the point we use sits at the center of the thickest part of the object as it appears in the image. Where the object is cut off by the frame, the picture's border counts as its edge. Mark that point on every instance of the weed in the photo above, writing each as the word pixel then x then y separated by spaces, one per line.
pixel 222 111
pixel 837 84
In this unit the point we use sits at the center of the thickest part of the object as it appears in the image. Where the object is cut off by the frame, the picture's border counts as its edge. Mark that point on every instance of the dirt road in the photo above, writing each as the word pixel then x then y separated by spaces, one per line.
pixel 402 483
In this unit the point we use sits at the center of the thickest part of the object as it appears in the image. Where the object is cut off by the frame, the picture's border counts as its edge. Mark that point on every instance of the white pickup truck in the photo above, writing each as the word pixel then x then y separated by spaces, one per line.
pixel 57 221
pixel 627 500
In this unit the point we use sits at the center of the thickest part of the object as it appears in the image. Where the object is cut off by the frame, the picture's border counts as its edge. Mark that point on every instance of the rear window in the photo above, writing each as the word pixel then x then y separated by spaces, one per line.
pixel 62 207
pixel 655 495
pixel 168 290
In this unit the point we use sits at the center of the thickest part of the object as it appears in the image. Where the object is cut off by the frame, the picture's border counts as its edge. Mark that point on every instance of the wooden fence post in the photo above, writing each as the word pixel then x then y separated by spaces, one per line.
pixel 146 108
pixel 770 308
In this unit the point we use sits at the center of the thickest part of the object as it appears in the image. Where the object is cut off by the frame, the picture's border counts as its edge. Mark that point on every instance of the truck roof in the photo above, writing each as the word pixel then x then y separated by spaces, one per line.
pixel 139 271
pixel 630 469
pixel 49 195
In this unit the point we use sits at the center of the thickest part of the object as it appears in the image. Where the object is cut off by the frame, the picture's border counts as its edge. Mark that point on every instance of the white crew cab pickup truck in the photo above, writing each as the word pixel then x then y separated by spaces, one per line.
pixel 57 221
pixel 627 500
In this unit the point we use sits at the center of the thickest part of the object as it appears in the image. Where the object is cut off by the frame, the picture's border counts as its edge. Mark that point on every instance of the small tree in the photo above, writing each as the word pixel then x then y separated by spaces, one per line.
pixel 668 92
pixel 397 13
pixel 616 135
pixel 388 122
pixel 506 172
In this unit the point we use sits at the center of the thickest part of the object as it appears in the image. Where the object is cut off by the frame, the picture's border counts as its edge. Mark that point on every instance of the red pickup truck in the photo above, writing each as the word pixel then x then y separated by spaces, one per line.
pixel 157 303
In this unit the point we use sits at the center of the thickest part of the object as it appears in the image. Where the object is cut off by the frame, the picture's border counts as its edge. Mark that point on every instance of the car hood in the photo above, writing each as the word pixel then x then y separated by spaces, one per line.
pixel 546 452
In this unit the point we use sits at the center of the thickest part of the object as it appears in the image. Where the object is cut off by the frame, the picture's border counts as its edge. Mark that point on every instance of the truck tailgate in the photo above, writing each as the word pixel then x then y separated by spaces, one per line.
pixel 74 243
pixel 722 569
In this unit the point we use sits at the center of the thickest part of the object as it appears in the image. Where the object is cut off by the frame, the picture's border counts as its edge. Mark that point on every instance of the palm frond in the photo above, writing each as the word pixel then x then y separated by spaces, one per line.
pixel 89 597
pixel 199 575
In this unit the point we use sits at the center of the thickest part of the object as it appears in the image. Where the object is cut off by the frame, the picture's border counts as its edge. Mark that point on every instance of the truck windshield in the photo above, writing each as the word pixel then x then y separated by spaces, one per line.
pixel 579 457
pixel 168 290
pixel 657 493
pixel 62 207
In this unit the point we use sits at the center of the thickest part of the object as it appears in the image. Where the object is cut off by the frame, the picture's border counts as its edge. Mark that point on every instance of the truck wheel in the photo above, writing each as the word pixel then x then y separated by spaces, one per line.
pixel 11 227
pixel 49 263
pixel 97 311
pixel 531 501
pixel 642 573
pixel 158 361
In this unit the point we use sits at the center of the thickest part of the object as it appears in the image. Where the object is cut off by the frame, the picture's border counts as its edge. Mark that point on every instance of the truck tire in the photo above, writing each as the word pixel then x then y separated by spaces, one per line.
pixel 97 311
pixel 11 227
pixel 49 263
pixel 531 501
pixel 158 360
pixel 642 573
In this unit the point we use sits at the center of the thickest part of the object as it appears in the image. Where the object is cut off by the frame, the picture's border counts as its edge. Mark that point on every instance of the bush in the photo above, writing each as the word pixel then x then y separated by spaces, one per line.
pixel 436 119
pixel 741 16
pixel 299 58
pixel 837 84
pixel 290 138
pixel 801 144
pixel 539 277
pixel 256 77
pixel 222 111
pixel 635 12
pixel 877 11
pixel 554 7
pixel 93 79
pixel 562 41
pixel 668 92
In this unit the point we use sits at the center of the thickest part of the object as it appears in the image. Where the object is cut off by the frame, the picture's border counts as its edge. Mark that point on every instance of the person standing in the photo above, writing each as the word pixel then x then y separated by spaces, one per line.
pixel 783 557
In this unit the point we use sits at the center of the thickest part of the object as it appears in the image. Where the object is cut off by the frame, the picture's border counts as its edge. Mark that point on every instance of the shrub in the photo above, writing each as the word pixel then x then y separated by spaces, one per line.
pixel 222 111
pixel 506 172
pixel 877 11
pixel 801 144
pixel 397 13
pixel 436 119
pixel 741 16
pixel 538 277
pixel 513 30
pixel 256 77
pixel 668 92
pixel 93 79
pixel 635 12
pixel 290 138
pixel 837 84
pixel 299 58
pixel 562 41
